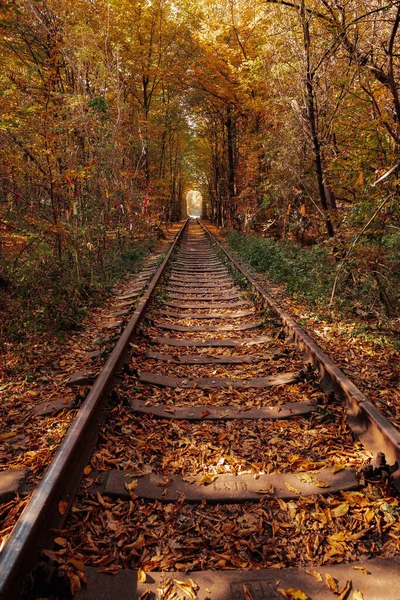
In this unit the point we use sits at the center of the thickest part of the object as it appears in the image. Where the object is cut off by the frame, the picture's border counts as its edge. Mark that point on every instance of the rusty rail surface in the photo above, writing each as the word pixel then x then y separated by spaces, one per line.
pixel 63 475
pixel 370 426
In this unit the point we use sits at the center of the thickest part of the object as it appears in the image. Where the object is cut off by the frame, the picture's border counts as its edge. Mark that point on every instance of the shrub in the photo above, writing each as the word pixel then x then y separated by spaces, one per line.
pixel 368 282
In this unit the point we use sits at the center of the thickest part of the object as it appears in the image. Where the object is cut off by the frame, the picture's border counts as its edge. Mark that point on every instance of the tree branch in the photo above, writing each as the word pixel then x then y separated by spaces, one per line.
pixel 26 150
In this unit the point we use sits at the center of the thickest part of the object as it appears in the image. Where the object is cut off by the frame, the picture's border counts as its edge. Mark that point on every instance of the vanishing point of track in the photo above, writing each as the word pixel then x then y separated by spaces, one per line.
pixel 214 415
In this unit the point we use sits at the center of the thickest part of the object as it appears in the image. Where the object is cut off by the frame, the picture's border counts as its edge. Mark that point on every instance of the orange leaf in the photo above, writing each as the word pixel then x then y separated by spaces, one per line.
pixel 62 507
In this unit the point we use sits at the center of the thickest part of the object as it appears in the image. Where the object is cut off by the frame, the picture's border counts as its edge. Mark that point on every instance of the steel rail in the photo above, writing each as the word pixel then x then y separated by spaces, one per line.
pixel 373 429
pixel 62 477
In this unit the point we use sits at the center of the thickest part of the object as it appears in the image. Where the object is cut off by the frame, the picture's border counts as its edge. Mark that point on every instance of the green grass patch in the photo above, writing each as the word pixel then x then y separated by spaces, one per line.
pixel 309 274
pixel 305 271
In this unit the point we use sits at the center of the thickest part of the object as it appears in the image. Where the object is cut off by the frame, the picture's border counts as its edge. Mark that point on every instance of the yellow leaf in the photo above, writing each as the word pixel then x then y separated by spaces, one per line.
pixel 292 489
pixel 362 570
pixel 369 515
pixel 207 478
pixel 305 478
pixel 131 485
pixel 337 468
pixel 186 588
pixel 275 526
pixel 331 583
pixel 267 490
pixel 340 510
pixel 316 575
pixel 357 595
pixel 293 594
pixel 337 537
pixel 62 507
pixel 5 436
pixel 342 595
pixel 141 575
pixel 321 484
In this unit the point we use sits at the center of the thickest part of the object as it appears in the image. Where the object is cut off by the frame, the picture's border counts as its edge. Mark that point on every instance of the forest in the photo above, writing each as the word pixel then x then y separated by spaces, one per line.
pixel 200 407
pixel 284 115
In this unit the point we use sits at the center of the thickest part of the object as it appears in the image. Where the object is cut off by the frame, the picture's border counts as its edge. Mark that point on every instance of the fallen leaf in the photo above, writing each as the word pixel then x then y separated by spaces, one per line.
pixel 321 484
pixel 343 594
pixel 337 468
pixel 340 510
pixel 247 593
pixel 331 583
pixel 60 541
pixel 78 564
pixel 187 588
pixel 357 595
pixel 316 575
pixel 305 478
pixel 362 570
pixel 132 485
pixel 100 499
pixel 268 490
pixel 5 436
pixel 74 582
pixel 207 478
pixel 141 576
pixel 113 570
pixel 369 515
pixel 87 469
pixel 293 594
pixel 62 507
pixel 292 489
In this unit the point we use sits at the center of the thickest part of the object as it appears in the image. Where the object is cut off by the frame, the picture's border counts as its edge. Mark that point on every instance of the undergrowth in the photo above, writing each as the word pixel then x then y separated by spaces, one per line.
pixel 46 296
pixel 309 273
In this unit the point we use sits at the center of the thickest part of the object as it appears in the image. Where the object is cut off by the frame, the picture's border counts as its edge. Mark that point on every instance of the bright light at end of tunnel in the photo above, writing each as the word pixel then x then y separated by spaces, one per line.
pixel 194 204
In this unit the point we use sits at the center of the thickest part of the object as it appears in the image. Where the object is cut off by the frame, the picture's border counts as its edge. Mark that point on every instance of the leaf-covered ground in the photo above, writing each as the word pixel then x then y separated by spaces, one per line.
pixel 313 531
pixel 144 445
pixel 40 375
pixel 112 534
pixel 367 348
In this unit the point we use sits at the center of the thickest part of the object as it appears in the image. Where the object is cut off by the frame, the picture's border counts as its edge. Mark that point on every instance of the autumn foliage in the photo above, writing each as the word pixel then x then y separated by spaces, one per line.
pixel 284 115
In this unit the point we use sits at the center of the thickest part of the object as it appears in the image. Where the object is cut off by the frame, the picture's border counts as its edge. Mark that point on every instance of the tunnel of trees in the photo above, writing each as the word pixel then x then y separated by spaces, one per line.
pixel 284 115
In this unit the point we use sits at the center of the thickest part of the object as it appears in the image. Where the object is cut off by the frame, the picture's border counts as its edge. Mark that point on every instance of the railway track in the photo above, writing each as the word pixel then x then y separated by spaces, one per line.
pixel 224 464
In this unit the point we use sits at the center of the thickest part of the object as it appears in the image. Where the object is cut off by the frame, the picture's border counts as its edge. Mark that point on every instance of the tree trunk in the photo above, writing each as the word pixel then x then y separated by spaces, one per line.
pixel 311 115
